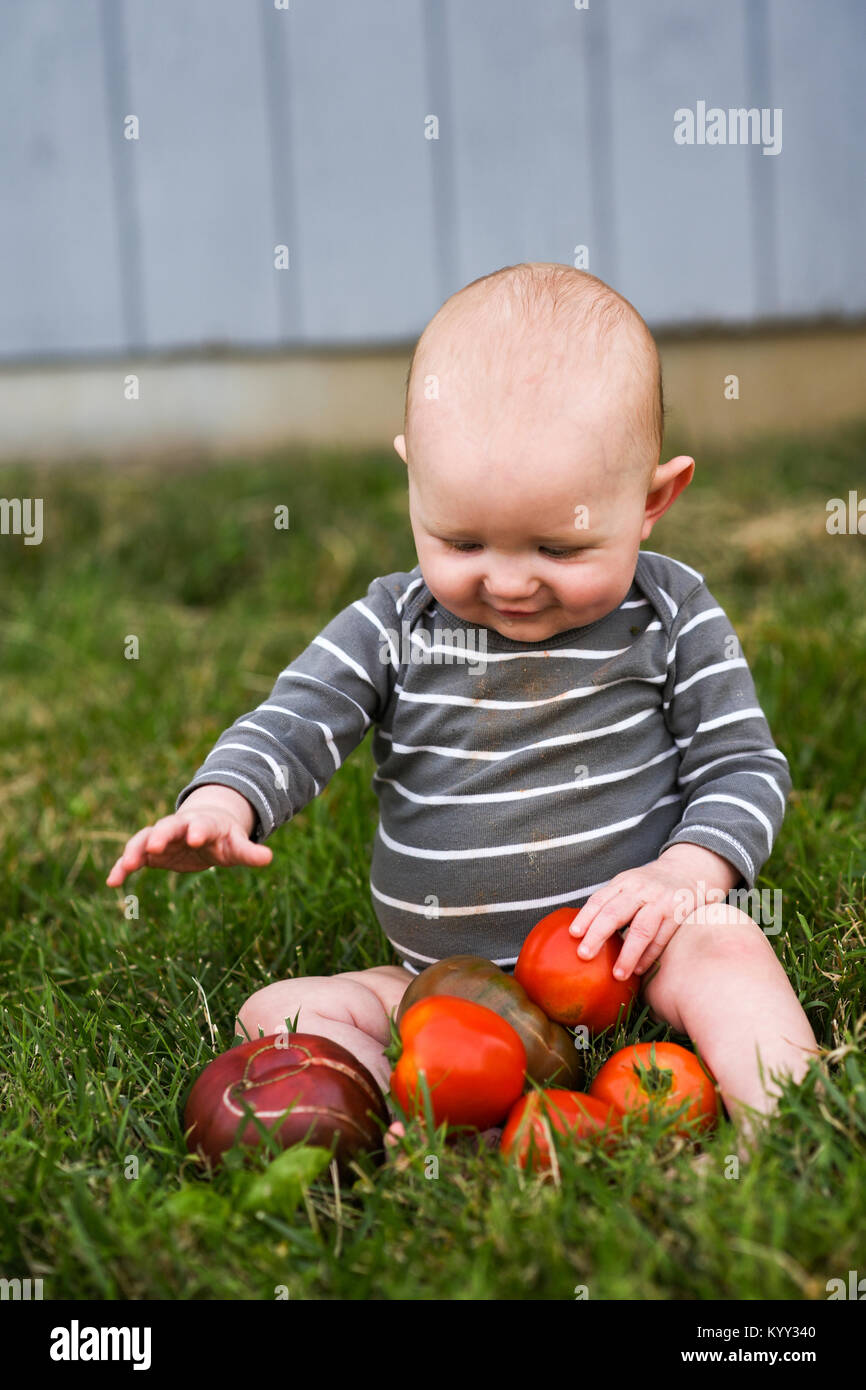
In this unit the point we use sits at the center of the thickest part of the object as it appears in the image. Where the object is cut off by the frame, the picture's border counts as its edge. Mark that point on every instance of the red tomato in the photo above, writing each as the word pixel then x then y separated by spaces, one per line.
pixel 571 990
pixel 474 1062
pixel 527 1134
pixel 650 1079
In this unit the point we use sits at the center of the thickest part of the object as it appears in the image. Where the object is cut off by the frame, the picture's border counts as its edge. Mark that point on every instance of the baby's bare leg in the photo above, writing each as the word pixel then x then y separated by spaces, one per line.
pixel 720 981
pixel 352 1009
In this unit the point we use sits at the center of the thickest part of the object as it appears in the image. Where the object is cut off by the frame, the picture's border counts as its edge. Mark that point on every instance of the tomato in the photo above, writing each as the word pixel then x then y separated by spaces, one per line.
pixel 473 1061
pixel 550 1051
pixel 569 989
pixel 331 1098
pixel 527 1134
pixel 652 1079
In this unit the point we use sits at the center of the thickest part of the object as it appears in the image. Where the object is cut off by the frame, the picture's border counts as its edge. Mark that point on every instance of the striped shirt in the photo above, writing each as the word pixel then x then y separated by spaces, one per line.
pixel 516 777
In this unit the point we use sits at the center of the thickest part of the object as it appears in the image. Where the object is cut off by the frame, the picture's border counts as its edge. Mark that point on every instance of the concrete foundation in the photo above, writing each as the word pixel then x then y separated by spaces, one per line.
pixel 807 379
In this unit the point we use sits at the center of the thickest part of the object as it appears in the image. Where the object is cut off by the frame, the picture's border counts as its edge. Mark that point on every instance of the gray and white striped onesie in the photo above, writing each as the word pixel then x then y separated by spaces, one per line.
pixel 516 777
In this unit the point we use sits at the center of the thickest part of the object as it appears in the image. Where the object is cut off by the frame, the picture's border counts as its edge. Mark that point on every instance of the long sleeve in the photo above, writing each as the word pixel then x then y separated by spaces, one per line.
pixel 733 780
pixel 281 754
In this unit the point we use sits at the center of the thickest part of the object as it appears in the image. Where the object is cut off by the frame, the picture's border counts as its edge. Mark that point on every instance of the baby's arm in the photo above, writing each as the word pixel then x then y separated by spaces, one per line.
pixel 273 760
pixel 282 754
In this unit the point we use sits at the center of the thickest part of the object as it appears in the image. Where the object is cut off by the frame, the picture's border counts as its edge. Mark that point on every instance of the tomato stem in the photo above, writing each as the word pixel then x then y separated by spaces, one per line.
pixel 394 1050
pixel 655 1080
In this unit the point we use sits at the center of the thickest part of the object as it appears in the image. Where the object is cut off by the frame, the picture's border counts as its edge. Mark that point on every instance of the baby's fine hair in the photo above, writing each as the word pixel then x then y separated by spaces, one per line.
pixel 537 299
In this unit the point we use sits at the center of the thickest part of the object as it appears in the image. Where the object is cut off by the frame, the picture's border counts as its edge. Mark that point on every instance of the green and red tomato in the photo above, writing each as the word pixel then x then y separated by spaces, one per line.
pixel 550 1052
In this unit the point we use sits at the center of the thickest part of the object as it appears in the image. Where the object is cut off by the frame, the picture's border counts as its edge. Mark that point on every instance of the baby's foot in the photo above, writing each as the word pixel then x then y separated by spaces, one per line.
pixel 394 1155
pixel 393 1135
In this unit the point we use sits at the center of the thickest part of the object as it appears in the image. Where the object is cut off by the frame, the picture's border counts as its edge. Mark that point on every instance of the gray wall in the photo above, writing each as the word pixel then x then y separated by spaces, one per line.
pixel 306 126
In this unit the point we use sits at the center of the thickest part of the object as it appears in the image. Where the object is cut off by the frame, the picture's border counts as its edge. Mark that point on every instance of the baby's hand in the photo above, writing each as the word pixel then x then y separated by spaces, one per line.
pixel 649 901
pixel 189 840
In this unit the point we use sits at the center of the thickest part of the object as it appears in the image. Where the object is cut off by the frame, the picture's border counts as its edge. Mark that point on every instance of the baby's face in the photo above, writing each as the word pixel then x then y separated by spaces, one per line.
pixel 525 513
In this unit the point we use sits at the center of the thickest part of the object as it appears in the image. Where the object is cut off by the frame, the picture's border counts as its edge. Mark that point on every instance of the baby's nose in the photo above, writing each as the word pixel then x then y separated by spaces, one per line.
pixel 507 589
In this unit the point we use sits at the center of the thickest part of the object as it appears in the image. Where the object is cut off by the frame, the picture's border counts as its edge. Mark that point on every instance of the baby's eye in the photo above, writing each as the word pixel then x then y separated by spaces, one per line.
pixel 562 554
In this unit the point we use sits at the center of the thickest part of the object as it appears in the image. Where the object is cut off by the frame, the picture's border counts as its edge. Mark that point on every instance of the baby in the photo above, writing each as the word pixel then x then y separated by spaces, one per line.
pixel 560 718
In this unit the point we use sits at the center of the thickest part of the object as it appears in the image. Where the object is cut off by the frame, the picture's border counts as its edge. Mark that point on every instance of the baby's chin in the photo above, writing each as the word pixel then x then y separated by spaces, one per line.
pixel 536 627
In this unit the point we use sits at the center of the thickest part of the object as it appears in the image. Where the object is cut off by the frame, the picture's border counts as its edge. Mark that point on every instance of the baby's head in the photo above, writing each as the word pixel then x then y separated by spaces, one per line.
pixel 532 435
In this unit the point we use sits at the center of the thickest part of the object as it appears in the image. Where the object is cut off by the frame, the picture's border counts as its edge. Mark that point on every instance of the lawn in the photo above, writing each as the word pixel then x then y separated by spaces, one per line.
pixel 109 1016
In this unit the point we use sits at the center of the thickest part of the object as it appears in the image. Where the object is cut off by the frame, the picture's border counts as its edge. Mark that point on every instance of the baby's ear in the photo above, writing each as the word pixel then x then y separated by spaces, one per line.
pixel 400 445
pixel 667 483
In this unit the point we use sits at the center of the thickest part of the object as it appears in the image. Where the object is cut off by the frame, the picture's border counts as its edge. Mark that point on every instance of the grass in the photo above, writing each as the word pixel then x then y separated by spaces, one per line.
pixel 108 1005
